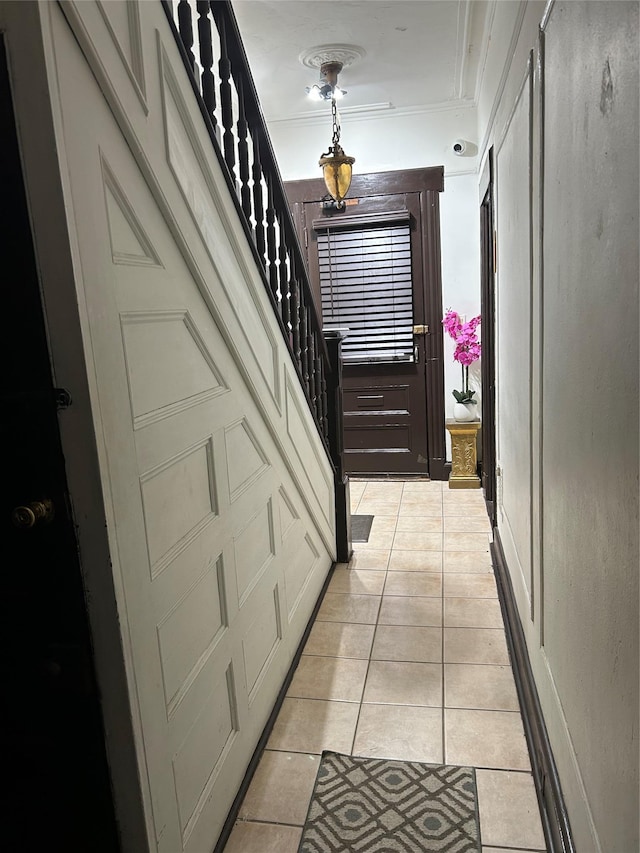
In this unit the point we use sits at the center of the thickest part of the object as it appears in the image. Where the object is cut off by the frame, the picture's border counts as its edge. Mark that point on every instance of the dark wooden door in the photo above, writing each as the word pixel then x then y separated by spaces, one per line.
pixel 375 270
pixel 367 264
pixel 57 789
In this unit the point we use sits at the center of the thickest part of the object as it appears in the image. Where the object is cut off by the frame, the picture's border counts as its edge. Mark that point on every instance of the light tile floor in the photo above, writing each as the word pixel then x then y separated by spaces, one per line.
pixel 407 659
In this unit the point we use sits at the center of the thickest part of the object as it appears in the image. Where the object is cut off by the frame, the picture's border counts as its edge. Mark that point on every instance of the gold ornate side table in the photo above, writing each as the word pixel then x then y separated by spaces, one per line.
pixel 464 455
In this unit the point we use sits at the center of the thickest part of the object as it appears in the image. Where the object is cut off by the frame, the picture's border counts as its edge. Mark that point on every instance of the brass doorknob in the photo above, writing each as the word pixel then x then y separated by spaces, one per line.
pixel 37 512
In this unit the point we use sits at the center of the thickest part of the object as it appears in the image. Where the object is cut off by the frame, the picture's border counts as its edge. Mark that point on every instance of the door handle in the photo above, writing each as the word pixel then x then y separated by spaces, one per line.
pixel 36 512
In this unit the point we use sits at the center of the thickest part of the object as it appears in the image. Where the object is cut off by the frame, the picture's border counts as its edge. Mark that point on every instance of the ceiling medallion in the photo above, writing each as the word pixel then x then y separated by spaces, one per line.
pixel 345 54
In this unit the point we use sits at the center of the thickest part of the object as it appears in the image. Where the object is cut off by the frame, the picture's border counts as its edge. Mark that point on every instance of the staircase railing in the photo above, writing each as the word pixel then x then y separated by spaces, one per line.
pixel 208 36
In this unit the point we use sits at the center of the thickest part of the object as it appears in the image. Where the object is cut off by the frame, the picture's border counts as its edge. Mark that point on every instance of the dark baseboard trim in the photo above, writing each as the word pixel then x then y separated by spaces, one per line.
pixel 439 469
pixel 555 820
pixel 491 511
pixel 264 737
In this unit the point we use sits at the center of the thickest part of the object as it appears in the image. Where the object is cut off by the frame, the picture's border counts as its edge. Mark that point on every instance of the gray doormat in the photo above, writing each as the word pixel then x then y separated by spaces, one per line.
pixel 361 527
pixel 374 805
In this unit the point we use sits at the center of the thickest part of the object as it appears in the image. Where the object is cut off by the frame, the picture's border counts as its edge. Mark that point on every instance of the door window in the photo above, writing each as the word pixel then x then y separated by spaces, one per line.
pixel 366 287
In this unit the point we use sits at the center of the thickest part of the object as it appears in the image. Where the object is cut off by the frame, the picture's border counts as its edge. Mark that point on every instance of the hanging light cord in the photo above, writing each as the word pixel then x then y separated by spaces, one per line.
pixel 335 124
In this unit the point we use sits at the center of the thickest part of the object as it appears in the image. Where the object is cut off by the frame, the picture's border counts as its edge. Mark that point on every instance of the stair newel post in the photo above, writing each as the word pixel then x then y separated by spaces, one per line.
pixel 344 549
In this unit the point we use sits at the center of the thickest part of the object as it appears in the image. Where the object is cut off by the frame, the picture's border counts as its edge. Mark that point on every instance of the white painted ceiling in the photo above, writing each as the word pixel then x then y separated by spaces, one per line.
pixel 420 54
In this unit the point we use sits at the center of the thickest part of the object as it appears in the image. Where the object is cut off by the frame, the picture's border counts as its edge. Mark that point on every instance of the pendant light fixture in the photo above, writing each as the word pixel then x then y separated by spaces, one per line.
pixel 336 165
pixel 327 86
pixel 330 59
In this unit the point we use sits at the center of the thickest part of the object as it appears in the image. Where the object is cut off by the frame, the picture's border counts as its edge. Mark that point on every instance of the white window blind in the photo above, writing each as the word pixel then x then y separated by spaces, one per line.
pixel 365 282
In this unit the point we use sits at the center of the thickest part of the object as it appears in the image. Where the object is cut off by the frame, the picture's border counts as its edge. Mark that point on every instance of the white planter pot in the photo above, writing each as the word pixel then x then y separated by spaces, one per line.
pixel 465 411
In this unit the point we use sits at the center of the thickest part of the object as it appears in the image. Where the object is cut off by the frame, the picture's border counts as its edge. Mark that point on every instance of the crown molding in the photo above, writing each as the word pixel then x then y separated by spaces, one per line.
pixel 515 35
pixel 457 173
pixel 485 41
pixel 367 111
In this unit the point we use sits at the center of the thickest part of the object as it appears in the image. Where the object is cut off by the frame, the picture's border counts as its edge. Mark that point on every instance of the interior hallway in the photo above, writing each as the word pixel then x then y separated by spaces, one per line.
pixel 407 659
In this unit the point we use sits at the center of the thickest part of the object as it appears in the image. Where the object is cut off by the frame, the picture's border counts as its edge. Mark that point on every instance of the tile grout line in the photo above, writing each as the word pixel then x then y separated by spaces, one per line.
pixel 444 727
pixel 489 768
pixel 366 676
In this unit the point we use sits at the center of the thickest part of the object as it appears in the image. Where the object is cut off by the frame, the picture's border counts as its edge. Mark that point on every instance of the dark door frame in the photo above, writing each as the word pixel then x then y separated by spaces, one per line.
pixel 428 184
pixel 487 286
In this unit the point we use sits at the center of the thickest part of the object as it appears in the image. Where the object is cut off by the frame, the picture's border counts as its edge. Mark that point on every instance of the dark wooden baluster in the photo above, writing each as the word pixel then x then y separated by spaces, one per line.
pixel 318 380
pixel 226 103
pixel 304 345
pixel 311 359
pixel 286 298
pixel 271 239
pixel 295 322
pixel 324 400
pixel 206 59
pixel 243 153
pixel 294 311
pixel 258 203
pixel 283 273
pixel 186 30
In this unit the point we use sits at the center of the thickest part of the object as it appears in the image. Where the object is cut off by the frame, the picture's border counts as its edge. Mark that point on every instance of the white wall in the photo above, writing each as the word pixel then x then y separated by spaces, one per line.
pixel 460 239
pixel 590 475
pixel 567 396
pixel 380 142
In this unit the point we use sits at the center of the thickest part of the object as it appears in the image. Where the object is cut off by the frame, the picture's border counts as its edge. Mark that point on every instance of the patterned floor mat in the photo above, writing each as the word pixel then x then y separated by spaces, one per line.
pixel 371 805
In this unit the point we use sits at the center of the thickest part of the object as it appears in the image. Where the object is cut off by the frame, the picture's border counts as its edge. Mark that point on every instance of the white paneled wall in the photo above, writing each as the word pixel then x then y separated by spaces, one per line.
pixel 563 120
